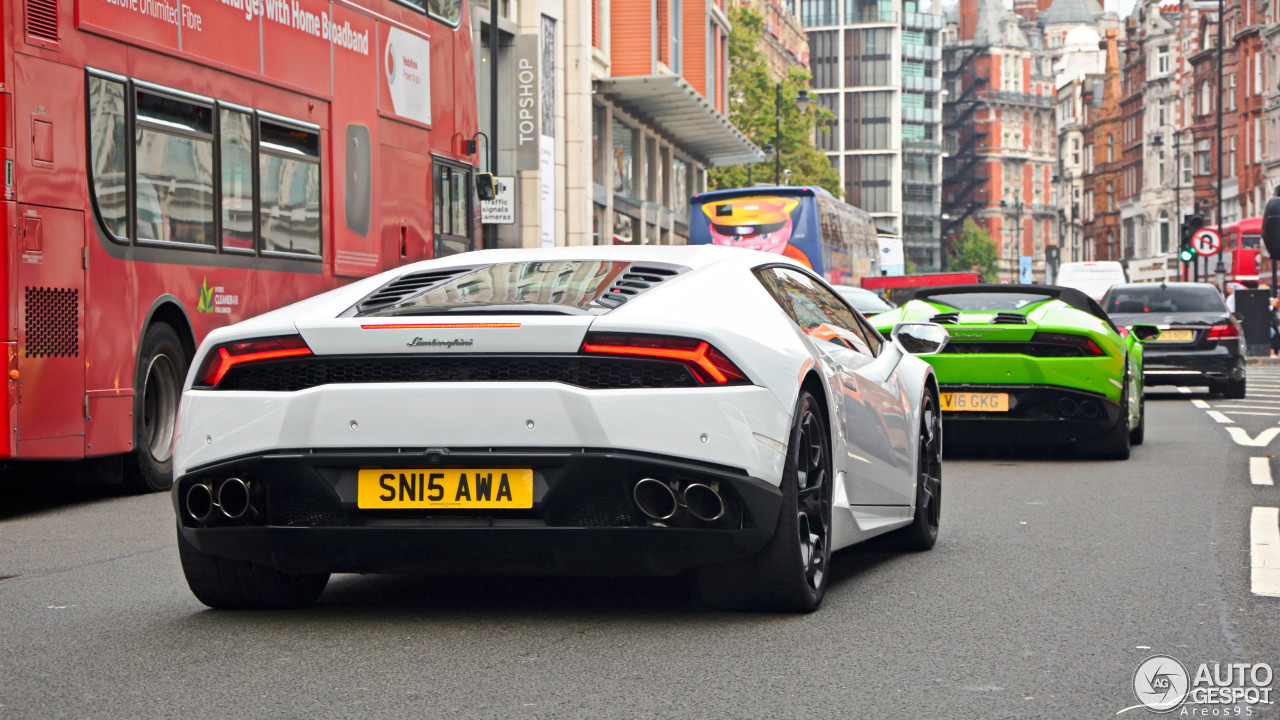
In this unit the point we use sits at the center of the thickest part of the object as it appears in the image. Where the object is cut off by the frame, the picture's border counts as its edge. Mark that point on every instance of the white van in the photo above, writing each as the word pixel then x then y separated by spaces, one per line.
pixel 1093 278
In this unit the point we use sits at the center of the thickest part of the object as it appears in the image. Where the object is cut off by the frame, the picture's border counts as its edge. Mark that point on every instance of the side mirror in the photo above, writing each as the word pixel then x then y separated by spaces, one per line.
pixel 1145 333
pixel 484 186
pixel 1271 227
pixel 920 338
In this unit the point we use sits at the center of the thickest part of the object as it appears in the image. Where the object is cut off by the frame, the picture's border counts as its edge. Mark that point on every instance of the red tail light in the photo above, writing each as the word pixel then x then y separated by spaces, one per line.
pixel 1223 332
pixel 224 357
pixel 707 364
pixel 1083 343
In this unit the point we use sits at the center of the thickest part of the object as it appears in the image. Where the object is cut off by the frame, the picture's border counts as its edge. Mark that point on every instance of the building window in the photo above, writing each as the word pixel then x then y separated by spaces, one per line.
pixel 624 158
pixel 677 36
pixel 1205 101
pixel 1230 169
pixel 624 228
pixel 680 187
pixel 1162 59
pixel 1111 197
pixel 868 117
pixel 817 12
pixel 598 167
pixel 1159 168
pixel 1111 148
pixel 1186 169
pixel 824 58
pixel 1231 92
pixel 1202 157
pixel 1164 232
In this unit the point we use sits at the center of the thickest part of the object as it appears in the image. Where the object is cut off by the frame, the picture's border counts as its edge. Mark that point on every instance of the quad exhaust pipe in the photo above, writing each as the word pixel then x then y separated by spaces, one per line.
pixel 655 499
pixel 663 506
pixel 231 497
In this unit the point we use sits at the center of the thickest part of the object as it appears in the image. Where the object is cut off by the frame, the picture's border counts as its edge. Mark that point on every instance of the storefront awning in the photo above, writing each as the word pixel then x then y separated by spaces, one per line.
pixel 670 105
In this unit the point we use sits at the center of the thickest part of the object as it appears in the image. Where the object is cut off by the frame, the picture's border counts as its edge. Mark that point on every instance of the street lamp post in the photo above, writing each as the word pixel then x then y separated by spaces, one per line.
pixel 1158 141
pixel 802 104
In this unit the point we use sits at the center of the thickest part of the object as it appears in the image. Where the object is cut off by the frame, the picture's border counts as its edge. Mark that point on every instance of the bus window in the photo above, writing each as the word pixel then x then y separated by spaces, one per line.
pixel 174 175
pixel 236 134
pixel 289 172
pixel 452 209
pixel 109 155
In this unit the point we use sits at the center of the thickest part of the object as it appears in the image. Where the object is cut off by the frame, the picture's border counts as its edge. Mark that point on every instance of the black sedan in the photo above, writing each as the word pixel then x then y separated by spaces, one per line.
pixel 1199 344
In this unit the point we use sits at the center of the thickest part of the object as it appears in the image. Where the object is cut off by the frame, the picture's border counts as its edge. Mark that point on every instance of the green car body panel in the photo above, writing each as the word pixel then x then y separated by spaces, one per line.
pixel 1102 376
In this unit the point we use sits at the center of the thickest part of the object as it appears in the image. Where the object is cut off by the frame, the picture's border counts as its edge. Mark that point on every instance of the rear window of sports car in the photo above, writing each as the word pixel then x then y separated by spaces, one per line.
pixel 987 301
pixel 1166 300
pixel 571 286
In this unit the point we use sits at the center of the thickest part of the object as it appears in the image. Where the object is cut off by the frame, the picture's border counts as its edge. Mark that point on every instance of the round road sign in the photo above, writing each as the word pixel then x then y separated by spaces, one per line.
pixel 1206 241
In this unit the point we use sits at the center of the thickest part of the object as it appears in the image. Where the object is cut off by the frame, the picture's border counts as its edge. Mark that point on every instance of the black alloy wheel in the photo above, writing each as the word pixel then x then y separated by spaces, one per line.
pixel 922 533
pixel 791 573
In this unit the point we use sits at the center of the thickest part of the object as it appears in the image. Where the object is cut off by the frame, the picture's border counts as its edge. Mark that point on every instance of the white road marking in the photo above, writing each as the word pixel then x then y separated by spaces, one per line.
pixel 1236 408
pixel 1219 417
pixel 1264 438
pixel 1184 390
pixel 1242 412
pixel 1264 536
pixel 1200 404
pixel 1260 471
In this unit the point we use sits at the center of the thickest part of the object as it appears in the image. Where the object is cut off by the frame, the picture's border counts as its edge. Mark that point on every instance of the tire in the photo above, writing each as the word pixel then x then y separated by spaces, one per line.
pixel 161 370
pixel 791 572
pixel 1138 434
pixel 922 533
pixel 1115 444
pixel 225 584
pixel 1234 390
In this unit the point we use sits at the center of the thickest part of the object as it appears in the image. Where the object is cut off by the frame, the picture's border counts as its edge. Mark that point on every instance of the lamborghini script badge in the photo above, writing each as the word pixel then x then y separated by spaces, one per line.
pixel 456 342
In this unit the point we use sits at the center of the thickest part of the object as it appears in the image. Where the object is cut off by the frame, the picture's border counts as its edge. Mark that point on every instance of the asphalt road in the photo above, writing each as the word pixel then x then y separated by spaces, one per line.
pixel 1052 581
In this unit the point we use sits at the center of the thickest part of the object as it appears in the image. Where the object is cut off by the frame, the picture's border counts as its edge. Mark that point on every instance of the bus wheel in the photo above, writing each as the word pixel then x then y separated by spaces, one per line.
pixel 162 366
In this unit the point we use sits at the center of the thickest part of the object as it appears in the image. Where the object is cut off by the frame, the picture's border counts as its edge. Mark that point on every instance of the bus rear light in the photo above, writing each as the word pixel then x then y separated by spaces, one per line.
pixel 707 364
pixel 1085 345
pixel 224 357
pixel 1223 332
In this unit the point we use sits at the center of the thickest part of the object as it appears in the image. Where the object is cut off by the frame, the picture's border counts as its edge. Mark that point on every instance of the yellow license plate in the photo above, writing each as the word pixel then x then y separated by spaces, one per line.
pixel 445 488
pixel 975 402
pixel 1176 336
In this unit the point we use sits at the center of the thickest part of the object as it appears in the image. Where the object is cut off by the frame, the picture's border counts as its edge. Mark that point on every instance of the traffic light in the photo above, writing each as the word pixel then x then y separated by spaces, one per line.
pixel 1190 224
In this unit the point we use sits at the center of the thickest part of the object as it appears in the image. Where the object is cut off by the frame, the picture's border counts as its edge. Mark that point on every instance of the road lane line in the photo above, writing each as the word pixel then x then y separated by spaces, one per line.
pixel 1233 408
pixel 1200 404
pixel 1260 471
pixel 1184 390
pixel 1219 417
pixel 1264 534
pixel 1242 412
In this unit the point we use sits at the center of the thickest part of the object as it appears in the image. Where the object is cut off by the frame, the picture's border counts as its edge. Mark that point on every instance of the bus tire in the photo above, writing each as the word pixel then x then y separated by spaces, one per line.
pixel 158 378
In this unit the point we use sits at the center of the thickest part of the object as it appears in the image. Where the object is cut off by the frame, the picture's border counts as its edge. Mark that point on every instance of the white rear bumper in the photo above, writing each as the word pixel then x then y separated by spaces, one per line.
pixel 710 425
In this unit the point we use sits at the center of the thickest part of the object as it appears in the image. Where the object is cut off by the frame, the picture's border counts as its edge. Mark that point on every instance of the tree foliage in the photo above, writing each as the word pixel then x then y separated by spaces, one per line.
pixel 752 99
pixel 975 249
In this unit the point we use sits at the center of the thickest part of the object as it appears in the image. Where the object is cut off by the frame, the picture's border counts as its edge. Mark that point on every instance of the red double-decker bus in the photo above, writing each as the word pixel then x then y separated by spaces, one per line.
pixel 1242 248
pixel 172 166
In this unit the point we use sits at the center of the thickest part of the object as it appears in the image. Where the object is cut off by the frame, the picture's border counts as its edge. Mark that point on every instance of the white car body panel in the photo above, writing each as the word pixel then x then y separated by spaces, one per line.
pixel 737 316
pixel 391 415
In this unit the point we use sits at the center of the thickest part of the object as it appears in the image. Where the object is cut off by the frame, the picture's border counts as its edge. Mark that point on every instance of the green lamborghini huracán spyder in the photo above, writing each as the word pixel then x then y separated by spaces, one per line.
pixel 1033 363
